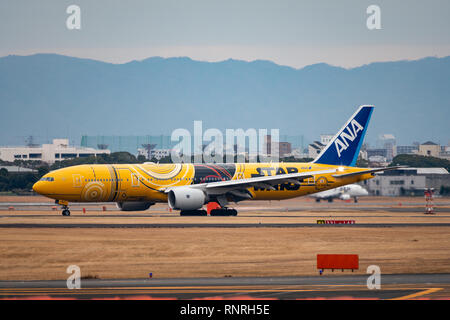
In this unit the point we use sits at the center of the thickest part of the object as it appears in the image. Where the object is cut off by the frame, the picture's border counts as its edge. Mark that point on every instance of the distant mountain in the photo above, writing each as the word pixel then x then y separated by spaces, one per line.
pixel 50 95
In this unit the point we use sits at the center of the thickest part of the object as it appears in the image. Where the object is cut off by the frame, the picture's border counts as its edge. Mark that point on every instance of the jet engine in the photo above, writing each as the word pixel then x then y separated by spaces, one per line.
pixel 134 205
pixel 186 198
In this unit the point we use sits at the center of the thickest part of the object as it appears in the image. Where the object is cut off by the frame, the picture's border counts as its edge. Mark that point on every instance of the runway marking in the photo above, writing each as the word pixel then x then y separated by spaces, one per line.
pixel 418 294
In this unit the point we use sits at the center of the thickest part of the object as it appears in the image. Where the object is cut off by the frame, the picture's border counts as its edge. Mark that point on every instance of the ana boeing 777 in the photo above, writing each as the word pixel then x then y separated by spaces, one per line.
pixel 188 186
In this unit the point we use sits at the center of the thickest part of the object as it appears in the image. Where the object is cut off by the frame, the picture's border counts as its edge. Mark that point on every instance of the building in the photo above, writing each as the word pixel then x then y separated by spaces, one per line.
pixel 132 143
pixel 284 148
pixel 50 153
pixel 16 169
pixel 157 154
pixel 407 149
pixel 315 148
pixel 380 152
pixel 388 142
pixel 430 148
pixel 407 181
pixel 445 152
pixel 326 138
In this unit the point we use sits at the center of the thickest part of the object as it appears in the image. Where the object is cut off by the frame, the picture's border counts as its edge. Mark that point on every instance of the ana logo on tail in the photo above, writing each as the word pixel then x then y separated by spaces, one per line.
pixel 344 148
pixel 341 143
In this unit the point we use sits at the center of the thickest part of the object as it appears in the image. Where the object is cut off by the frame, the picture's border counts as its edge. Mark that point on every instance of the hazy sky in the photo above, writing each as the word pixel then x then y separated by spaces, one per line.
pixel 294 33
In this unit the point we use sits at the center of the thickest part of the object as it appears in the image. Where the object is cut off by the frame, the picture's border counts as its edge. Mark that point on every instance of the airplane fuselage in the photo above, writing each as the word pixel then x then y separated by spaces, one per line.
pixel 147 182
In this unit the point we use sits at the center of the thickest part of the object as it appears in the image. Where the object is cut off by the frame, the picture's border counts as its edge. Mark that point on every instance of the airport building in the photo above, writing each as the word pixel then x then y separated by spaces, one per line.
pixel 49 153
pixel 407 181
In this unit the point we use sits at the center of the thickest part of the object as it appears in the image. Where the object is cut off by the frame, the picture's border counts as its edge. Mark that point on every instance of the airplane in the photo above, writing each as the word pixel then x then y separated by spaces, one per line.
pixel 187 187
pixel 344 193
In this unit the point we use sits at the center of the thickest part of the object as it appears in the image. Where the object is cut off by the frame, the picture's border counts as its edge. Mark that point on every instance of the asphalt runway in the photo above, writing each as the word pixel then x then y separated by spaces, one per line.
pixel 217 225
pixel 310 208
pixel 328 286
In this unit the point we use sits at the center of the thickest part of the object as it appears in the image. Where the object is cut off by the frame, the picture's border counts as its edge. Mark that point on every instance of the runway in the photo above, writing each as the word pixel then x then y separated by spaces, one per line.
pixel 393 287
pixel 215 225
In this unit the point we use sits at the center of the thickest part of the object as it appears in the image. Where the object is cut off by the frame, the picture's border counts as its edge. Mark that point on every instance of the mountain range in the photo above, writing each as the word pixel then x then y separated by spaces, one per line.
pixel 50 96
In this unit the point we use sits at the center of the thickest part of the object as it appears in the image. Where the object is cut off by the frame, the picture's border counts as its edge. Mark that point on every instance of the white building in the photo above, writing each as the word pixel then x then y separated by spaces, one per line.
pixel 325 138
pixel 50 153
pixel 388 142
pixel 16 169
pixel 154 153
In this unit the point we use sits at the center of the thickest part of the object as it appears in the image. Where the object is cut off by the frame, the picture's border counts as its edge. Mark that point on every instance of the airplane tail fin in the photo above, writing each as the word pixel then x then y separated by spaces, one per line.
pixel 344 148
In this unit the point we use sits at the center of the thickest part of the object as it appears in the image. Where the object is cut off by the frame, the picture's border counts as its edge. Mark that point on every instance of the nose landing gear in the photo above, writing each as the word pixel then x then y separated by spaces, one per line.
pixel 65 207
pixel 66 211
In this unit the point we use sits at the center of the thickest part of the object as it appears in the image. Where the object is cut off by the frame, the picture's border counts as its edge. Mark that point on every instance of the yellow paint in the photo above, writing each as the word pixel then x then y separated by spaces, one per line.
pixel 418 294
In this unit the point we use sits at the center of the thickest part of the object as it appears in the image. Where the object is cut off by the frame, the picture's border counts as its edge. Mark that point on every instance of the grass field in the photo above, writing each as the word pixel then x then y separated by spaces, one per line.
pixel 30 254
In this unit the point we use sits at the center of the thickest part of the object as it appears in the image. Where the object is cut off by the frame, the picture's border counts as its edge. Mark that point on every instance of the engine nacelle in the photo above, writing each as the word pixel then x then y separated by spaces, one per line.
pixel 344 196
pixel 134 205
pixel 185 198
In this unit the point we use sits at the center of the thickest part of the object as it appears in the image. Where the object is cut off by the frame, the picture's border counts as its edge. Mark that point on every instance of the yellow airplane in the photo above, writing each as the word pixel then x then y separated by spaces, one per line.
pixel 188 187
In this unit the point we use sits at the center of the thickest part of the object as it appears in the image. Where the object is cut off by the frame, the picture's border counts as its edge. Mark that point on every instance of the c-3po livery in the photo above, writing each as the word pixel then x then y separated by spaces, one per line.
pixel 187 187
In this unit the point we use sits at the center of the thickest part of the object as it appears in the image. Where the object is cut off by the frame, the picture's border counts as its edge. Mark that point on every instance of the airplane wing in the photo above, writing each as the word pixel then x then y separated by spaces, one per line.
pixel 343 175
pixel 239 187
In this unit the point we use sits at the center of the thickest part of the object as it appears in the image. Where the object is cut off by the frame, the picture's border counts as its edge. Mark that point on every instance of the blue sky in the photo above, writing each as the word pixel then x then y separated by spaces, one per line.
pixel 294 33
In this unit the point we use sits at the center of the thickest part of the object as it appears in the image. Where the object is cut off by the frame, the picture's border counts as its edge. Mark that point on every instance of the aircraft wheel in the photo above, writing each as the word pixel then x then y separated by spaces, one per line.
pixel 66 212
pixel 223 212
pixel 193 213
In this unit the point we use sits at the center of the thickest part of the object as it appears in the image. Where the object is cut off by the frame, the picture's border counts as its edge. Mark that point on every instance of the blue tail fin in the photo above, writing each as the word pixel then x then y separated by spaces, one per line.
pixel 344 148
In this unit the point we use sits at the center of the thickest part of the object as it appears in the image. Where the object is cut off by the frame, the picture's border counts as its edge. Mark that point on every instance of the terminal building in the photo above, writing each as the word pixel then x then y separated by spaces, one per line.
pixel 49 153
pixel 407 182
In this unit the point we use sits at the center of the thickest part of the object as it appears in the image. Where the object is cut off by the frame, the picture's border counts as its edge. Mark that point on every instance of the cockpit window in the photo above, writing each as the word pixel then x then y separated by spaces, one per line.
pixel 47 179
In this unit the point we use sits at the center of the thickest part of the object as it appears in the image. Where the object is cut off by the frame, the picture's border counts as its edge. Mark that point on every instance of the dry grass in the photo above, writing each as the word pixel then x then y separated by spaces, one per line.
pixel 215 252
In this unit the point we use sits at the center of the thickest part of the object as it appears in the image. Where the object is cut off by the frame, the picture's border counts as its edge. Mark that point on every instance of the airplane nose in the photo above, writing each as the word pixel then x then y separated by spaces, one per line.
pixel 37 187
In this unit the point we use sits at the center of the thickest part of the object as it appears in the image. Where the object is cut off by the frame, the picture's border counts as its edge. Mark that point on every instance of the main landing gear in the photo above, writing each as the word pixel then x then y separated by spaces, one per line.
pixel 214 212
pixel 193 213
pixel 223 212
